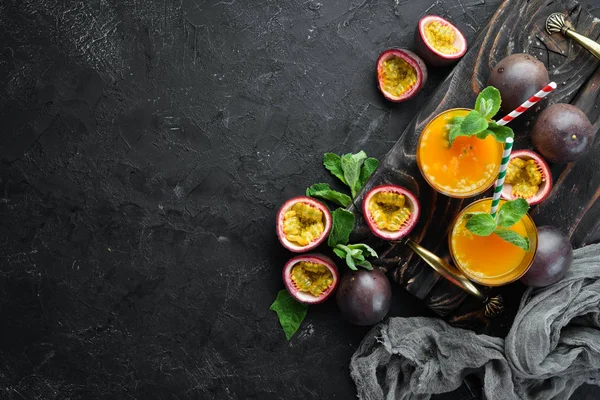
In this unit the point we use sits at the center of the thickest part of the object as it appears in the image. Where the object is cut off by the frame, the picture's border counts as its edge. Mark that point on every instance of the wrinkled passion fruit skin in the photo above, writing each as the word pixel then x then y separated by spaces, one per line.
pixel 364 297
pixel 426 50
pixel 518 77
pixel 552 260
pixel 305 296
pixel 562 133
pixel 414 61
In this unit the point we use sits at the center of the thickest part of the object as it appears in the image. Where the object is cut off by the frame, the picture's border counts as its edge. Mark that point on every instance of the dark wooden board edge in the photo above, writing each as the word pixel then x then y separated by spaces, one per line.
pixel 516 26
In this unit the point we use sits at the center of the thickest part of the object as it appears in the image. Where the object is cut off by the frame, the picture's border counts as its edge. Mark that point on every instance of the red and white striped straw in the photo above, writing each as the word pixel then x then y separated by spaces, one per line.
pixel 525 106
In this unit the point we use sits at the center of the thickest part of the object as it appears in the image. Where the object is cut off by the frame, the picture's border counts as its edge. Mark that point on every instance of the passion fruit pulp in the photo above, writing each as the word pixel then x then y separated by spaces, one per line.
pixel 390 211
pixel 310 278
pixel 562 133
pixel 303 223
pixel 438 41
pixel 527 176
pixel 518 77
pixel 400 74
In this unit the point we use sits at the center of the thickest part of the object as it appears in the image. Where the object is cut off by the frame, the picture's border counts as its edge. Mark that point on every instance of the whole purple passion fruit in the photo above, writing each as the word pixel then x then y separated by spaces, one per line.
pixel 310 278
pixel 518 77
pixel 527 176
pixel 400 74
pixel 552 260
pixel 302 224
pixel 562 133
pixel 390 211
pixel 364 297
pixel 438 41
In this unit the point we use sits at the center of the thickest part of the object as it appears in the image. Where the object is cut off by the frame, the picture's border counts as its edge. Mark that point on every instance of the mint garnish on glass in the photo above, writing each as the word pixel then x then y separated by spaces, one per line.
pixel 511 212
pixel 478 121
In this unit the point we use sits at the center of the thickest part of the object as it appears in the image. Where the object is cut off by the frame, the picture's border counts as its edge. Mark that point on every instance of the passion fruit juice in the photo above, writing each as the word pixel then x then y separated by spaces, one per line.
pixel 467 168
pixel 489 260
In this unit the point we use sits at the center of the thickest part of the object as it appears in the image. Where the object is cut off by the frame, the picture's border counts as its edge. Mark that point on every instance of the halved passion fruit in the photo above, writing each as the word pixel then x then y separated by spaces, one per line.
pixel 400 74
pixel 310 278
pixel 390 211
pixel 438 41
pixel 303 223
pixel 527 176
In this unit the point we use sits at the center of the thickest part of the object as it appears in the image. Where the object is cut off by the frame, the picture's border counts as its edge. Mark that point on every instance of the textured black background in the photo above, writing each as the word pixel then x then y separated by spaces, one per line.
pixel 145 148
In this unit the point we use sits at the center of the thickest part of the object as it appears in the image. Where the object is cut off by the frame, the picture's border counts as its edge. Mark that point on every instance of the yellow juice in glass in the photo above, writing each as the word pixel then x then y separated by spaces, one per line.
pixel 489 260
pixel 467 168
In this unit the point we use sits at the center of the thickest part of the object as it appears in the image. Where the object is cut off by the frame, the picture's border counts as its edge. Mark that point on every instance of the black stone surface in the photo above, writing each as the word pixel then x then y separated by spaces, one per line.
pixel 145 148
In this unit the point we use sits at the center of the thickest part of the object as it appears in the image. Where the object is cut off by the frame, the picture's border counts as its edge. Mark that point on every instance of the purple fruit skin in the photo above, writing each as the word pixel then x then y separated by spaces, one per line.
pixel 553 130
pixel 552 260
pixel 518 77
pixel 364 297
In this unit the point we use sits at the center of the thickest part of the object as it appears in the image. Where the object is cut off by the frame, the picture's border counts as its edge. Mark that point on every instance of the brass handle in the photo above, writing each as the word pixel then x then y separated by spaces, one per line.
pixel 493 305
pixel 445 269
pixel 556 23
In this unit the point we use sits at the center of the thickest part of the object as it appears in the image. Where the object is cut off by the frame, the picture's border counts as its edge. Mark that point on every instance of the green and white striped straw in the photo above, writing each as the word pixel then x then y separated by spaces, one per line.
pixel 501 175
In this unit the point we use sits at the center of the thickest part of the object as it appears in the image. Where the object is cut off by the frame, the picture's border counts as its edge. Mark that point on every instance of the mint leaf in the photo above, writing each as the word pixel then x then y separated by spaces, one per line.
pixel 454 130
pixel 342 225
pixel 500 132
pixel 333 163
pixel 473 124
pixel 488 102
pixel 485 133
pixel 323 191
pixel 369 166
pixel 290 312
pixel 351 165
pixel 339 252
pixel 366 265
pixel 355 254
pixel 513 237
pixel 470 125
pixel 511 212
pixel 364 248
pixel 481 224
pixel 350 262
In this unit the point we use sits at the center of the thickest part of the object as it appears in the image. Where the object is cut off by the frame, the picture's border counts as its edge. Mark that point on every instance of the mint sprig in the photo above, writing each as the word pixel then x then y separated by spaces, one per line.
pixel 354 170
pixel 511 212
pixel 355 255
pixel 488 102
pixel 478 121
pixel 341 226
pixel 323 191
pixel 290 312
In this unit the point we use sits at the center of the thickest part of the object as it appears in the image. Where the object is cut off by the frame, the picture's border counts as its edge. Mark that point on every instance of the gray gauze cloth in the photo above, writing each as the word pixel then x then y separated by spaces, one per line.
pixel 552 348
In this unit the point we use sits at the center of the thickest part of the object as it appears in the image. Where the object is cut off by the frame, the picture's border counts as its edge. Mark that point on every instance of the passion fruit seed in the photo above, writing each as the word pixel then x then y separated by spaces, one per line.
pixel 524 176
pixel 442 37
pixel 388 210
pixel 312 278
pixel 398 76
pixel 303 223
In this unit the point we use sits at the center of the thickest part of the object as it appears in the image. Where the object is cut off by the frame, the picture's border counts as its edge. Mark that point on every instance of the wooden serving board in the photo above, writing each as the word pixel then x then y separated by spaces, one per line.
pixel 573 206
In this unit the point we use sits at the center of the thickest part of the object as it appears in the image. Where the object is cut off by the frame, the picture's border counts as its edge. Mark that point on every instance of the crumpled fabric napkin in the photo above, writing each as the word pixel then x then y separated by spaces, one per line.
pixel 552 348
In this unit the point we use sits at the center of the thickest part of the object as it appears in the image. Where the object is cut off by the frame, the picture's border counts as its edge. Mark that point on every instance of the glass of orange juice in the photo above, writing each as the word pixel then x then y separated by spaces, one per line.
pixel 489 260
pixel 467 168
